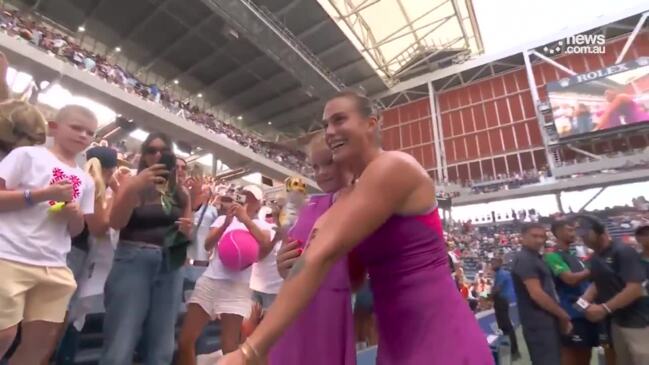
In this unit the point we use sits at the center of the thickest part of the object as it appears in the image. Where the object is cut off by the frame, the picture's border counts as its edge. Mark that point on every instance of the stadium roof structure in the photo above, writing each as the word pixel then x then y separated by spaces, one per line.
pixel 268 64
pixel 404 38
pixel 263 62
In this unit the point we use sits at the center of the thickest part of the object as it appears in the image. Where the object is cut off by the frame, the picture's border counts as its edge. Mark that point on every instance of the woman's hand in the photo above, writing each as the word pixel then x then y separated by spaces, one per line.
pixel 286 257
pixel 150 177
pixel 233 358
pixel 185 225
pixel 239 211
pixel 119 177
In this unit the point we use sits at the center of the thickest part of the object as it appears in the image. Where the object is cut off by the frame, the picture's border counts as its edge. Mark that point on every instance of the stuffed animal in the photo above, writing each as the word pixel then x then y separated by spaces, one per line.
pixel 295 197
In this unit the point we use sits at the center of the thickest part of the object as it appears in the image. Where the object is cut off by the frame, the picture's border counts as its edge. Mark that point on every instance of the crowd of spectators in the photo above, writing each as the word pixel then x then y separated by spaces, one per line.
pixel 63 46
pixel 474 244
pixel 489 184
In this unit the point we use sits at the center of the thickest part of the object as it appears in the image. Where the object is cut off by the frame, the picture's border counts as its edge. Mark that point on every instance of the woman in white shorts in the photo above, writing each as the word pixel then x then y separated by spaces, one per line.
pixel 221 293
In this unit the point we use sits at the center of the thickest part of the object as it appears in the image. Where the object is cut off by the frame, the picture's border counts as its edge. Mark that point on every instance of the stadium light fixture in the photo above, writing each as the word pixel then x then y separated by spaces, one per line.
pixel 200 95
pixel 240 117
pixel 176 82
pixel 81 29
pixel 270 123
pixel 118 49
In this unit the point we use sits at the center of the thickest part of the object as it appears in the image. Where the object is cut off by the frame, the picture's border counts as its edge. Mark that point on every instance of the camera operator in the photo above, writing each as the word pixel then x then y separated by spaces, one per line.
pixel 616 293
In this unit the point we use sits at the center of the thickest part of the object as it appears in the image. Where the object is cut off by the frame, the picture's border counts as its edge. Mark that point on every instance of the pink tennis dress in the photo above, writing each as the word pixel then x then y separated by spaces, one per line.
pixel 323 334
pixel 422 318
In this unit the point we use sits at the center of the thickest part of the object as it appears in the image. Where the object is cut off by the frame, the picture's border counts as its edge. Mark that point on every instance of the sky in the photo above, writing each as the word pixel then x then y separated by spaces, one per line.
pixel 505 24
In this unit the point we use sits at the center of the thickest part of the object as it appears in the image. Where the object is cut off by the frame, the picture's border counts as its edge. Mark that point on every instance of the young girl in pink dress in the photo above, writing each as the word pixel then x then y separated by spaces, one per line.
pixel 323 334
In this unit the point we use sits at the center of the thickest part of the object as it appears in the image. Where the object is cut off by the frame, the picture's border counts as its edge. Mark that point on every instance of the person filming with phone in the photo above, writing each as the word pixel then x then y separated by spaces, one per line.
pixel 222 292
pixel 143 290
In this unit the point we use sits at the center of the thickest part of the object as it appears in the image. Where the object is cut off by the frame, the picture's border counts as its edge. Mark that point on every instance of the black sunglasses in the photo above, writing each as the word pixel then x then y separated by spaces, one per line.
pixel 150 150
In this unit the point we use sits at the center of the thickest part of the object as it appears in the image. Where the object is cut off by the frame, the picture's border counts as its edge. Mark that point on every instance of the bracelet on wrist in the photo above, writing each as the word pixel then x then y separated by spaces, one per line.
pixel 250 353
pixel 606 307
pixel 27 195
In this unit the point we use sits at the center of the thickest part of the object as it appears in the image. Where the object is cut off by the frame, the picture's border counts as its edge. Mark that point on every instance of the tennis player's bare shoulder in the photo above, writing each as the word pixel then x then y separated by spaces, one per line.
pixel 401 162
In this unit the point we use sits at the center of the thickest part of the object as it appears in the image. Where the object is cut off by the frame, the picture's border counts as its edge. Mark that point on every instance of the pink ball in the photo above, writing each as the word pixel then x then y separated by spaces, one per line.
pixel 238 249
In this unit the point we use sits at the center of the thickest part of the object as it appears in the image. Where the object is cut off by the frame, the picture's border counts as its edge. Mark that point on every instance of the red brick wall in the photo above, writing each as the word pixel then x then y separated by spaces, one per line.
pixel 489 127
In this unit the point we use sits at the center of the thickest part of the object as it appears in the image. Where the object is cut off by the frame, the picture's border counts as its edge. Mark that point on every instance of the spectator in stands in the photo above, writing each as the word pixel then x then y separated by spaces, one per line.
pixel 35 239
pixel 460 281
pixel 265 280
pixel 616 292
pixel 642 236
pixel 542 317
pixel 5 93
pixel 92 250
pixel 205 214
pixel 21 124
pixel 220 292
pixel 181 171
pixel 143 290
pixel 503 296
pixel 571 280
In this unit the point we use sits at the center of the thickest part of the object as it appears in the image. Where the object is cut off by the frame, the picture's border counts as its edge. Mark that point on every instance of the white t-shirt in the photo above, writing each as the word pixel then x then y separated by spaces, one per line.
pixel 33 235
pixel 216 270
pixel 197 249
pixel 265 277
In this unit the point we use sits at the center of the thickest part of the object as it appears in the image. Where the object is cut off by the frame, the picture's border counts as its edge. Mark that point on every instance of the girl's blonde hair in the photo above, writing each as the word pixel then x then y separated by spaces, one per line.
pixel 316 143
pixel 21 124
pixel 94 169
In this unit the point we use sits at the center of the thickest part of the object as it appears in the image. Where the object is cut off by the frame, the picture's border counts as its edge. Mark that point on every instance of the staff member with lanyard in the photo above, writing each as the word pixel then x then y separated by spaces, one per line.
pixel 617 292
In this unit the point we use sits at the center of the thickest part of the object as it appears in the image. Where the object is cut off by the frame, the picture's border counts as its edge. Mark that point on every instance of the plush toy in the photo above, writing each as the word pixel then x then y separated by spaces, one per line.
pixel 295 197
pixel 57 207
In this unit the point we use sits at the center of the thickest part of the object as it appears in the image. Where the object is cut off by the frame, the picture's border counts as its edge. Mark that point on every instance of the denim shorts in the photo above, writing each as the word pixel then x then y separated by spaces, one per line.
pixel 264 299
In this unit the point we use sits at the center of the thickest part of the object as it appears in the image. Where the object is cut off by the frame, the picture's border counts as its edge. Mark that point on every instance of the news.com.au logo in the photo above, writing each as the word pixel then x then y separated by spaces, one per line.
pixel 579 44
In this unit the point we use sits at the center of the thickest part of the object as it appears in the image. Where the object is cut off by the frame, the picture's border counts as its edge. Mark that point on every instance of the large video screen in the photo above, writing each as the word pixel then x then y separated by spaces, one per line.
pixel 612 97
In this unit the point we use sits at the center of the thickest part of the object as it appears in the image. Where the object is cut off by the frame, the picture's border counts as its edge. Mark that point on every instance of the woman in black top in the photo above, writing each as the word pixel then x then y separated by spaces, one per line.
pixel 143 290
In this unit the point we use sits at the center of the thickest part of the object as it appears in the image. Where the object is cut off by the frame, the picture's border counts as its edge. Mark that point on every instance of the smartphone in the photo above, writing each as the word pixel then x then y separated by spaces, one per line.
pixel 581 305
pixel 169 160
pixel 240 199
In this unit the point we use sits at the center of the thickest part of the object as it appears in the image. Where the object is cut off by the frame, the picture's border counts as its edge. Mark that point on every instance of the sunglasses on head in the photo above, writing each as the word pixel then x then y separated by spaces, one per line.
pixel 151 150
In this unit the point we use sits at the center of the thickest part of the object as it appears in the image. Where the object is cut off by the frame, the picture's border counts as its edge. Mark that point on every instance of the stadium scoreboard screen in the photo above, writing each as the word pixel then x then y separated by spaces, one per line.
pixel 611 98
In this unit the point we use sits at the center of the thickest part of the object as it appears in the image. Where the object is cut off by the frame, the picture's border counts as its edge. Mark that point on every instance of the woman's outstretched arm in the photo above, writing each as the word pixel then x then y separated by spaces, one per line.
pixel 382 191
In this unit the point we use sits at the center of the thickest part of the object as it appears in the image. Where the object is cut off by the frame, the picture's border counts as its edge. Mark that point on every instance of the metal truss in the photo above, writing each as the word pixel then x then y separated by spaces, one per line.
pixel 354 15
pixel 296 44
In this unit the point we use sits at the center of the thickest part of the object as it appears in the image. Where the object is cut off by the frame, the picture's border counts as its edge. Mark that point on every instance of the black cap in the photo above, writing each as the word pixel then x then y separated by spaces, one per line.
pixel 642 230
pixel 106 155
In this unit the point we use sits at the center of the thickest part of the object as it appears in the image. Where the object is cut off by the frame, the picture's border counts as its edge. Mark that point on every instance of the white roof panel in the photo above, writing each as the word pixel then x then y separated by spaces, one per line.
pixel 396 36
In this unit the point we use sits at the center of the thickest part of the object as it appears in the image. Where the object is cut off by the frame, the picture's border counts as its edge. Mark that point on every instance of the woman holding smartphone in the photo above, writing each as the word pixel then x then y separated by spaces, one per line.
pixel 143 289
pixel 222 293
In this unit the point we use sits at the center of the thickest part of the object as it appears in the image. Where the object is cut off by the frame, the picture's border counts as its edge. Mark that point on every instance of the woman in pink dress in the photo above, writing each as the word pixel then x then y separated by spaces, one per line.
pixel 390 220
pixel 323 334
